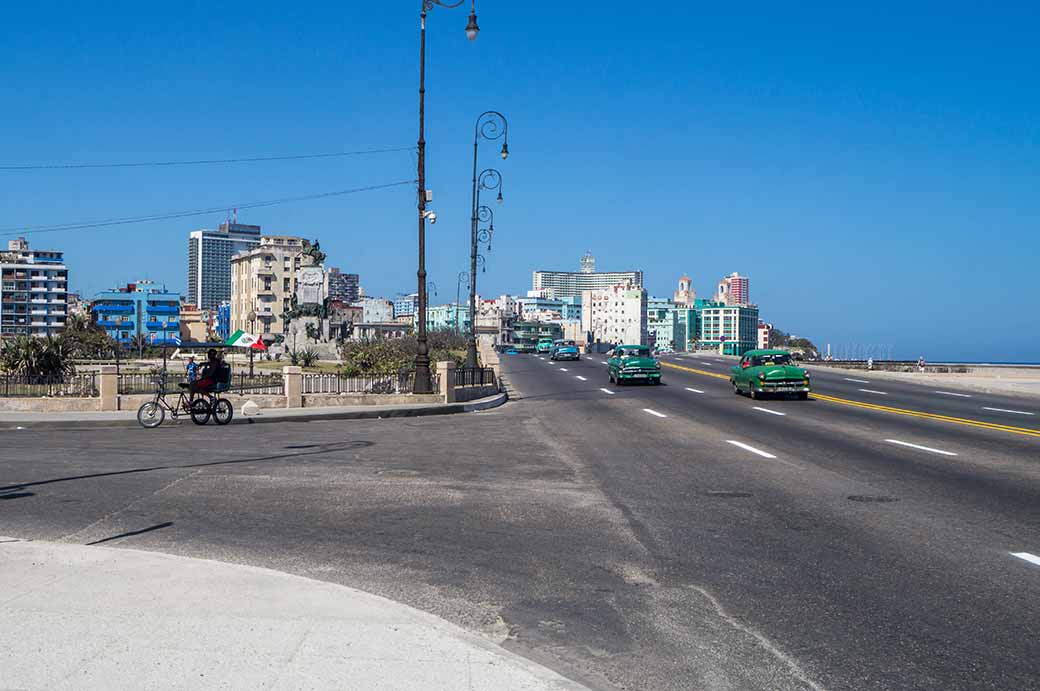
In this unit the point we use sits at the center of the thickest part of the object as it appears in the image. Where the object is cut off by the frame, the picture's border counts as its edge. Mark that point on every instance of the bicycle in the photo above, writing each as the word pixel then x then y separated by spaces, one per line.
pixel 200 406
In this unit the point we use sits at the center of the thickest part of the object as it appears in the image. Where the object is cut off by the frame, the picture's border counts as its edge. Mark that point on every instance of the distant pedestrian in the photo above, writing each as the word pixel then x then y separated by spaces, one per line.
pixel 870 363
pixel 920 364
pixel 192 369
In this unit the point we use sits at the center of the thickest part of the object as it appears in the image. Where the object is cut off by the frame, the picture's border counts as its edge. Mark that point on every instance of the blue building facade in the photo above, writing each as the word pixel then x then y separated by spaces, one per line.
pixel 222 324
pixel 140 309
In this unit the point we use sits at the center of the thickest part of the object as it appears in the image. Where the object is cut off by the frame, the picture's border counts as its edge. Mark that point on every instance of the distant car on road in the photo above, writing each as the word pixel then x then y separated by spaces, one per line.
pixel 764 372
pixel 512 351
pixel 545 345
pixel 633 363
pixel 565 350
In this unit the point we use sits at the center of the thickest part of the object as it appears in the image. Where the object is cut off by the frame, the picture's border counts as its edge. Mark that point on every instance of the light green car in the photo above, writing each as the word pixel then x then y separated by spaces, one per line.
pixel 633 363
pixel 764 372
pixel 545 345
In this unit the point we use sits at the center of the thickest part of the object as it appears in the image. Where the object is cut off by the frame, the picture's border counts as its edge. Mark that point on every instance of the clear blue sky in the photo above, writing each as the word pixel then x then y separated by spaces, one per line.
pixel 874 170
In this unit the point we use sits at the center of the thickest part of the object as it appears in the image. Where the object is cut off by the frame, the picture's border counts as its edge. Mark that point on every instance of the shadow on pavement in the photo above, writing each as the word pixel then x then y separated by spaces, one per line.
pixel 130 533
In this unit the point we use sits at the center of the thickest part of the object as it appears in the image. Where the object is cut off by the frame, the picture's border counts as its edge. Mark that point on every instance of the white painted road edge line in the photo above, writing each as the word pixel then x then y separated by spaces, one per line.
pixel 1031 558
pixel 922 448
pixel 654 412
pixel 1005 410
pixel 858 381
pixel 578 376
pixel 950 393
pixel 752 449
pixel 879 393
pixel 767 410
pixel 694 390
pixel 608 391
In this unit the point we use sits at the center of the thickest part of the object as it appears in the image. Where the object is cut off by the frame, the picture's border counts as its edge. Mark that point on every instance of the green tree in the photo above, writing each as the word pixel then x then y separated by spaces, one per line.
pixel 39 358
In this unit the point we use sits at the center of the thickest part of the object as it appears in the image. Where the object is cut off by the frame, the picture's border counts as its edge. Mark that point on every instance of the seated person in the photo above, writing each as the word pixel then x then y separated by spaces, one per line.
pixel 208 378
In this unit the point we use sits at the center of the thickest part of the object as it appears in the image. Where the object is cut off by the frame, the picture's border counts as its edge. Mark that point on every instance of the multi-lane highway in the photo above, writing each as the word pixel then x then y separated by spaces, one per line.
pixel 881 535
pixel 632 537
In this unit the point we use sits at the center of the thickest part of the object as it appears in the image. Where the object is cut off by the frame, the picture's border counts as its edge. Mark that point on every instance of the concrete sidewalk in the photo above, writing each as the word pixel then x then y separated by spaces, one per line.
pixel 78 617
pixel 128 418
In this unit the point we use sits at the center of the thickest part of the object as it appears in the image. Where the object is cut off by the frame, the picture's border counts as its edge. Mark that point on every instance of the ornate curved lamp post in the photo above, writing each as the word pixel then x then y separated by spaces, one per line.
pixel 490 179
pixel 462 279
pixel 422 357
pixel 486 215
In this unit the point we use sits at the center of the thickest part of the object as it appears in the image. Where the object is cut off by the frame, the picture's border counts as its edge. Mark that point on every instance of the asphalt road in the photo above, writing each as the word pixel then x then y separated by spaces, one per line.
pixel 652 537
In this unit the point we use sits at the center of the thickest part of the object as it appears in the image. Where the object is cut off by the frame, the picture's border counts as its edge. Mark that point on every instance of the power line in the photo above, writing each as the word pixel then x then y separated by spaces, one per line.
pixel 251 159
pixel 105 223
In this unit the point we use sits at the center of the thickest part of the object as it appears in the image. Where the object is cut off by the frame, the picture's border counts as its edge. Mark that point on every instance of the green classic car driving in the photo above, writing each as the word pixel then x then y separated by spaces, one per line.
pixel 763 372
pixel 633 363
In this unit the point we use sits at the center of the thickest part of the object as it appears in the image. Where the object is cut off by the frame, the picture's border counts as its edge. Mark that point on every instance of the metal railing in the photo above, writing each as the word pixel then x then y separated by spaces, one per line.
pixel 399 383
pixel 73 386
pixel 241 382
pixel 475 376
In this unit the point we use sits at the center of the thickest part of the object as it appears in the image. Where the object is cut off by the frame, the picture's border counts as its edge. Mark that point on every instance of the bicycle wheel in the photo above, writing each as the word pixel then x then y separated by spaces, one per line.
pixel 223 411
pixel 200 411
pixel 150 415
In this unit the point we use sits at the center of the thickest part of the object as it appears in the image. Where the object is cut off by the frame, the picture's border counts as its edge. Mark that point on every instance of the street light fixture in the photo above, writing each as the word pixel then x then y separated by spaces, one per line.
pixel 490 125
pixel 422 357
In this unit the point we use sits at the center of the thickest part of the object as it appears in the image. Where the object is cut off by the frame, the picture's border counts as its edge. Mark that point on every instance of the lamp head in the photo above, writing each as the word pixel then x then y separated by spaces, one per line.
pixel 471 27
pixel 505 151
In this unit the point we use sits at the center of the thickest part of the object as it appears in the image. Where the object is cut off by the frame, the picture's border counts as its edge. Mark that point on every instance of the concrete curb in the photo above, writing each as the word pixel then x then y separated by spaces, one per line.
pixel 270 415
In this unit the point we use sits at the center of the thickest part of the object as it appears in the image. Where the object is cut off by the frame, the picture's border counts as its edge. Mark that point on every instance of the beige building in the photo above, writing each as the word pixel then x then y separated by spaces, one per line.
pixel 263 281
pixel 194 325
pixel 615 315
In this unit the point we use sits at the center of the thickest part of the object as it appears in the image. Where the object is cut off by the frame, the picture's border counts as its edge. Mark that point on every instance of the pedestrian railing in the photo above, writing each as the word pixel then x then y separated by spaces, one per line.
pixel 475 376
pixel 241 382
pixel 82 385
pixel 401 382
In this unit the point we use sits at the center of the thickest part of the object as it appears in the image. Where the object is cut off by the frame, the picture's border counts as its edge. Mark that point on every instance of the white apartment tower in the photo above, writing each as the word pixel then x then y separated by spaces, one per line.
pixel 209 261
pixel 615 315
pixel 571 284
pixel 33 291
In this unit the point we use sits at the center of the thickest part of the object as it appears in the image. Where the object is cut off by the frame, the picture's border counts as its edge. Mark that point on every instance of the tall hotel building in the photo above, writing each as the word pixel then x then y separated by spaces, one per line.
pixel 33 291
pixel 568 284
pixel 209 261
pixel 734 290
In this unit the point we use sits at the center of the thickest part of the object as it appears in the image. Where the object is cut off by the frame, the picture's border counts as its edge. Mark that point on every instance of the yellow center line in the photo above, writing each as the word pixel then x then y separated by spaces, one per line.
pixel 1024 431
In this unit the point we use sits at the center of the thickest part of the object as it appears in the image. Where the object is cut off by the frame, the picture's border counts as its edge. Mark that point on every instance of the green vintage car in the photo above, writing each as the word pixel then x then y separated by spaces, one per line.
pixel 633 363
pixel 765 372
pixel 545 345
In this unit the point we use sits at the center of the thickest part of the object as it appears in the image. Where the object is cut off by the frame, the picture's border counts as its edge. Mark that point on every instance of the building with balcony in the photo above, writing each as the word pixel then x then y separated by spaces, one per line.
pixel 535 304
pixel 448 318
pixel 344 287
pixel 527 334
pixel 405 305
pixel 570 284
pixel 33 291
pixel 734 290
pixel 615 315
pixel 209 261
pixel 731 329
pixel 263 283
pixel 143 309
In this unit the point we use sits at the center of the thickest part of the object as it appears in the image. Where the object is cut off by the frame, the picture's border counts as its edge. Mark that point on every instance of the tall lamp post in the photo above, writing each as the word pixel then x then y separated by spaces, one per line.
pixel 422 357
pixel 490 125
pixel 252 328
pixel 462 279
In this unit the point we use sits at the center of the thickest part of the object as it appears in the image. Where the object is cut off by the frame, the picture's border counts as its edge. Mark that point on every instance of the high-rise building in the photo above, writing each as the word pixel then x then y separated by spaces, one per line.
pixel 144 309
pixel 343 287
pixel 209 261
pixel 733 329
pixel 615 315
pixel 685 295
pixel 33 291
pixel 734 290
pixel 571 284
pixel 405 305
pixel 263 282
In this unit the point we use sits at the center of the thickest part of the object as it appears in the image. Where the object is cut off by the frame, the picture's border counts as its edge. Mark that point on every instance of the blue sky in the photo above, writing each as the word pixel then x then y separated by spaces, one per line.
pixel 873 170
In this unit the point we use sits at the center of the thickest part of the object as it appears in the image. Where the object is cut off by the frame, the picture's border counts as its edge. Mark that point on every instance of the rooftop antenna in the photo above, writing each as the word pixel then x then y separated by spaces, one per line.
pixel 234 216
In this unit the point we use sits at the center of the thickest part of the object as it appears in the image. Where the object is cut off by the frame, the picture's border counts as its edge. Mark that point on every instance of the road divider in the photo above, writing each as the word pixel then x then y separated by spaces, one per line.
pixel 563 369
pixel 578 376
pixel 693 390
pixel 858 381
pixel 879 393
pixel 748 447
pixel 920 448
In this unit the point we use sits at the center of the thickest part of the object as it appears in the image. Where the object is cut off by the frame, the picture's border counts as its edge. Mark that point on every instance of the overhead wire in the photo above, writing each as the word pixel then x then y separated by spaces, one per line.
pixel 110 222
pixel 209 161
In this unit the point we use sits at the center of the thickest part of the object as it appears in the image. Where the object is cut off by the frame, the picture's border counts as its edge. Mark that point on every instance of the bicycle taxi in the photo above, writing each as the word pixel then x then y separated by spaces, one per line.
pixel 199 405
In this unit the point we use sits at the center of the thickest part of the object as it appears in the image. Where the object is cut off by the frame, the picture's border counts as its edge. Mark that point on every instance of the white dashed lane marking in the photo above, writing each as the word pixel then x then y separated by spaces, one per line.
pixel 858 381
pixel 750 448
pixel 607 391
pixel 1031 558
pixel 922 448
pixel 1005 410
pixel 767 410
pixel 879 393
pixel 694 390
pixel 563 369
pixel 950 393
pixel 578 376
pixel 654 412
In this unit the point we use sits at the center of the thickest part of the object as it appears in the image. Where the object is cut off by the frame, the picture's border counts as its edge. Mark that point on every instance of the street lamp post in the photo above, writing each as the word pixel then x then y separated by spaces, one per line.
pixel 252 329
pixel 463 278
pixel 422 357
pixel 490 125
